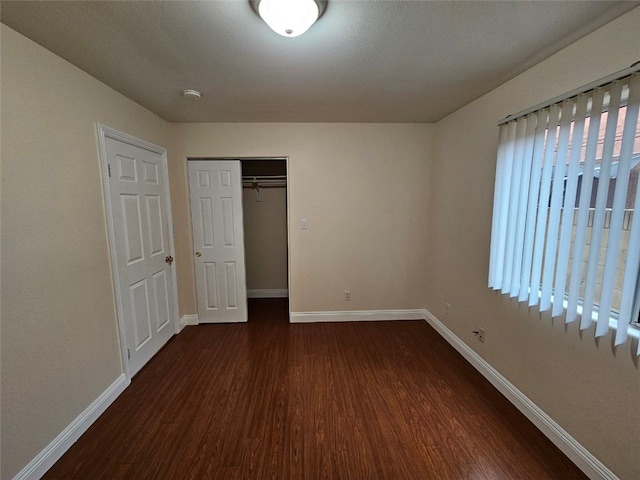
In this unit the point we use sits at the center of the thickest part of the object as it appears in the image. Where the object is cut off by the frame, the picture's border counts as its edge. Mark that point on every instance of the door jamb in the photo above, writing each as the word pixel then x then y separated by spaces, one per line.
pixel 103 132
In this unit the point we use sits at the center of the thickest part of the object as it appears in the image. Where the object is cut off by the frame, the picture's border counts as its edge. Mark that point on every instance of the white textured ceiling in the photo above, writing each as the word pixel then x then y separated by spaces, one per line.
pixel 363 61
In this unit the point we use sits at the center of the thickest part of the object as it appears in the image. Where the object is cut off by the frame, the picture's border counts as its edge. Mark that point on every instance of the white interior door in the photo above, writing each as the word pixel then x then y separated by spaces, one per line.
pixel 218 240
pixel 144 278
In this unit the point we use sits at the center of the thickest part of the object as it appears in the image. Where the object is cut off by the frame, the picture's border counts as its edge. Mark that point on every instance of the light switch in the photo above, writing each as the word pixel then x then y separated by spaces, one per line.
pixel 304 223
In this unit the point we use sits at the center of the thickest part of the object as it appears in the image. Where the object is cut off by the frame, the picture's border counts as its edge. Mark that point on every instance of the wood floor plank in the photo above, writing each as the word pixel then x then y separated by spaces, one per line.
pixel 273 400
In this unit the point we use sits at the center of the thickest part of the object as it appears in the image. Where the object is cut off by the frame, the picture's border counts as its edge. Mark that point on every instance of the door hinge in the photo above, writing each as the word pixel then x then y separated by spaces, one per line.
pixel 109 169
pixel 128 354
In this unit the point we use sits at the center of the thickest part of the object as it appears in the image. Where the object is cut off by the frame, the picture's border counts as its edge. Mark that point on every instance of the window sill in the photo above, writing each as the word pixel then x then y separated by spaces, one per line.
pixel 632 330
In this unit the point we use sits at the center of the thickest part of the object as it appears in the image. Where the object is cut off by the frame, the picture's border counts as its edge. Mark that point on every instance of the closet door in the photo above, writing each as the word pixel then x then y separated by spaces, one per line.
pixel 218 240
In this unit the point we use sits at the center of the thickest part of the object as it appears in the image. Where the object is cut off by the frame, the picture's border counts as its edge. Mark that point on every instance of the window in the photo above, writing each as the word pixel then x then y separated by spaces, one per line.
pixel 564 236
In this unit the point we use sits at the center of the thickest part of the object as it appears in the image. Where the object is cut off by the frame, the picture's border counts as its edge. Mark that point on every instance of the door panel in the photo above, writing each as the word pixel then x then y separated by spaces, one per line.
pixel 227 217
pixel 150 173
pixel 211 285
pixel 131 226
pixel 139 203
pixel 206 226
pixel 154 215
pixel 161 292
pixel 231 276
pixel 140 310
pixel 216 214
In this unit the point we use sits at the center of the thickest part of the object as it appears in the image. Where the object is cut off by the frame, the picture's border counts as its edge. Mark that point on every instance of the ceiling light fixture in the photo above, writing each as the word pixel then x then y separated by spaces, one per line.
pixel 289 18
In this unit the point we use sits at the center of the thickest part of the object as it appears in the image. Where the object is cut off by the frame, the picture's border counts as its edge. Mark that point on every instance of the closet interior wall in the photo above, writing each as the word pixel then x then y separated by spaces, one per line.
pixel 264 197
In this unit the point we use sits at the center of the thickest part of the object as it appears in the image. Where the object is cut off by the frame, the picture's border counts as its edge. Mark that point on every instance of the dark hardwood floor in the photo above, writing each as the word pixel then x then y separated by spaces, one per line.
pixel 273 400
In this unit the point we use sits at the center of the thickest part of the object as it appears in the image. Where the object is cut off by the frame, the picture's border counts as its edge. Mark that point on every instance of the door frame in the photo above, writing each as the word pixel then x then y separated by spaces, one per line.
pixel 103 133
pixel 242 159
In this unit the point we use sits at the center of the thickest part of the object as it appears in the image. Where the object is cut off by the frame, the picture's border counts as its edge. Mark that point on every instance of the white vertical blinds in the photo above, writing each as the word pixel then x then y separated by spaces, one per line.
pixel 618 210
pixel 597 230
pixel 568 212
pixel 564 233
pixel 575 277
pixel 542 210
pixel 542 118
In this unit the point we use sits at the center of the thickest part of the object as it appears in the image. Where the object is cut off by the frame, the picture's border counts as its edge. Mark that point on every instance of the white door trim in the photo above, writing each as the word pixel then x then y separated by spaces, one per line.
pixel 104 132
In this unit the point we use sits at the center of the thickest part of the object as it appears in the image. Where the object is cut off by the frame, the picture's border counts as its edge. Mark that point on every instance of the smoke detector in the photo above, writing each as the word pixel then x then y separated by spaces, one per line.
pixel 192 94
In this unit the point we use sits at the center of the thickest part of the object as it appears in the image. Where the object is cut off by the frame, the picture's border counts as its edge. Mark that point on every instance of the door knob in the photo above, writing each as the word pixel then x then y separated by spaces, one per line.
pixel 198 254
pixel 168 259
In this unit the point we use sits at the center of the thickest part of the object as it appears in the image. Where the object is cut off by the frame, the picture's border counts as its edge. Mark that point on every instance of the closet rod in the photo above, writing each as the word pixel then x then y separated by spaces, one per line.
pixel 248 178
pixel 263 181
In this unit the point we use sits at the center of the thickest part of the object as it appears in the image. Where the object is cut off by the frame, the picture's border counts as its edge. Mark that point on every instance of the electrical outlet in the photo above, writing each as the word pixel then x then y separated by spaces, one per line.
pixel 347 295
pixel 448 307
pixel 481 334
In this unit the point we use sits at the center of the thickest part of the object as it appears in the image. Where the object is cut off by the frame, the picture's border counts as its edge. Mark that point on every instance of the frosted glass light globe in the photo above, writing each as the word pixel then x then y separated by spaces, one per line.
pixel 289 18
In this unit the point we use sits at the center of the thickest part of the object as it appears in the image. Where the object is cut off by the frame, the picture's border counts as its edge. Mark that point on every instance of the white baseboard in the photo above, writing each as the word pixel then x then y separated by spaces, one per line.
pixel 268 293
pixel 356 316
pixel 589 464
pixel 188 320
pixel 37 467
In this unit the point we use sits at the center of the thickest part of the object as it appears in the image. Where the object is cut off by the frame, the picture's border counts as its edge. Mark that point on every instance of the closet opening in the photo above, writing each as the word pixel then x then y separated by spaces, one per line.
pixel 264 201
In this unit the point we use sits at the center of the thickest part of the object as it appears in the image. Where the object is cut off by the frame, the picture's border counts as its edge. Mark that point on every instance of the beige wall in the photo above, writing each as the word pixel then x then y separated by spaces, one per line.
pixel 588 388
pixel 265 238
pixel 396 215
pixel 363 189
pixel 60 347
